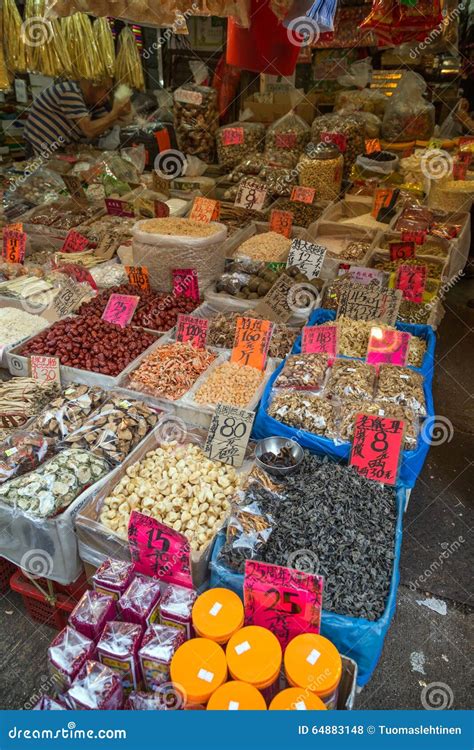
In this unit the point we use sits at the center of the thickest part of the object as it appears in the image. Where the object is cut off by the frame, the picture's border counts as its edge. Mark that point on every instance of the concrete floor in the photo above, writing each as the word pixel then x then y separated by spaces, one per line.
pixel 425 661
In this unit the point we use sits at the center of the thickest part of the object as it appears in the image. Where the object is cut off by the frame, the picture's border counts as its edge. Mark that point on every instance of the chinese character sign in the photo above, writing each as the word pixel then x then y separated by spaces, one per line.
pixel 376 447
pixel 158 551
pixel 120 309
pixel 229 434
pixel 252 339
pixel 319 340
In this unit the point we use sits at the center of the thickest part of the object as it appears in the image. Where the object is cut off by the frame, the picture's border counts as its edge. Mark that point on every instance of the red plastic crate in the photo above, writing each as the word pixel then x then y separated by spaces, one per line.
pixel 39 609
pixel 75 589
pixel 6 571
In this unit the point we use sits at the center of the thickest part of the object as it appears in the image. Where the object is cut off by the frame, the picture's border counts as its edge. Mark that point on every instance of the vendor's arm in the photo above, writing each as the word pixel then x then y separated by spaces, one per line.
pixel 92 128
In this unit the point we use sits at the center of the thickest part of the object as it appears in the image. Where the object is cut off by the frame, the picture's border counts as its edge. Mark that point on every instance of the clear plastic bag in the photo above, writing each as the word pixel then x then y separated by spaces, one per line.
pixel 346 131
pixel 305 411
pixel 289 133
pixel 196 120
pixel 351 407
pixel 69 411
pixel 118 647
pixel 158 647
pixel 67 654
pixel 303 372
pixel 351 378
pixel 248 530
pixel 236 140
pixel 408 115
pixel 22 452
pixel 400 385
pixel 92 612
pixel 96 687
pixel 139 603
pixel 113 577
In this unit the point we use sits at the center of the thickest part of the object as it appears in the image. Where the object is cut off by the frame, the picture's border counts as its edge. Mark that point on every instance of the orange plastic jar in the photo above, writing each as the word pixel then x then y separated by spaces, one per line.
pixel 254 656
pixel 217 614
pixel 197 668
pixel 296 699
pixel 237 696
pixel 313 663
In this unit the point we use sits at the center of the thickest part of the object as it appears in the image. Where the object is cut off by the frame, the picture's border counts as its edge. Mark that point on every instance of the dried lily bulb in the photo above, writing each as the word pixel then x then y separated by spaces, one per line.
pixel 105 45
pixel 15 54
pixel 80 40
pixel 128 67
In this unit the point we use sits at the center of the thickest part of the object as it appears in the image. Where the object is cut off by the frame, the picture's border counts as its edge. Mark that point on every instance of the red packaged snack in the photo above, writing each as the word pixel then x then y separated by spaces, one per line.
pixel 92 612
pixel 118 649
pixel 140 602
pixel 176 608
pixel 113 577
pixel 46 703
pixel 97 687
pixel 67 654
pixel 159 644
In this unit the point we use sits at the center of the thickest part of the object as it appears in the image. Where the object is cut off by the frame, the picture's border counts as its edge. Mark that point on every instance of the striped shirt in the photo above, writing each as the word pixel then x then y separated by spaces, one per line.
pixel 52 122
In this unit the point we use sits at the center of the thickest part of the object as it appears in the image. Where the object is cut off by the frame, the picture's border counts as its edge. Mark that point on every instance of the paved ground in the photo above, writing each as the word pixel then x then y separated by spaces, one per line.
pixel 425 644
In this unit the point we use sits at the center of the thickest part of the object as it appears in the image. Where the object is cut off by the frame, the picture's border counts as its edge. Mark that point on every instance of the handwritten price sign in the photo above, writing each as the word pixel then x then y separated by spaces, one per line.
pixel 120 309
pixel 158 551
pixel 205 209
pixel 14 246
pixel 185 283
pixel 45 369
pixel 232 136
pixel 285 140
pixel 139 277
pixel 229 434
pixel 251 194
pixel 418 236
pixel 376 447
pixel 192 329
pixel 401 250
pixel 412 281
pixel 281 222
pixel 337 139
pixel 252 339
pixel 74 243
pixel 303 194
pixel 319 340
pixel 116 207
pixel 384 202
pixel 287 602
pixel 388 347
pixel 309 258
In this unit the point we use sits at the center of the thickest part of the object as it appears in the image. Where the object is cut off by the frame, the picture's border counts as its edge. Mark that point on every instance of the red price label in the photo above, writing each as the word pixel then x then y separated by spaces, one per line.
pixel 384 201
pixel 376 447
pixel 412 281
pixel 162 210
pixel 285 140
pixel 120 309
pixel 388 347
pixel 13 227
pixel 372 145
pixel 205 209
pixel 139 277
pixel 287 602
pixel 158 551
pixel 251 194
pixel 232 136
pixel 14 246
pixel 460 170
pixel 74 243
pixel 45 369
pixel 417 236
pixel 116 207
pixel 337 139
pixel 401 250
pixel 303 194
pixel 319 340
pixel 192 329
pixel 281 222
pixel 185 283
pixel 252 339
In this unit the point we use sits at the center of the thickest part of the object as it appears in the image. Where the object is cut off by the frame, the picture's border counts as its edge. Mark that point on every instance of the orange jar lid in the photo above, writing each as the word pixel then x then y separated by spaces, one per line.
pixel 314 663
pixel 198 667
pixel 254 656
pixel 296 699
pixel 237 696
pixel 217 614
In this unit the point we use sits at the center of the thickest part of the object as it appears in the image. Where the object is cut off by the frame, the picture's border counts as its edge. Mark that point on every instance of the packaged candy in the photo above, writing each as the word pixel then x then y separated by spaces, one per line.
pixel 96 687
pixel 67 655
pixel 46 703
pixel 91 613
pixel 118 649
pixel 139 701
pixel 140 602
pixel 157 649
pixel 176 608
pixel 113 577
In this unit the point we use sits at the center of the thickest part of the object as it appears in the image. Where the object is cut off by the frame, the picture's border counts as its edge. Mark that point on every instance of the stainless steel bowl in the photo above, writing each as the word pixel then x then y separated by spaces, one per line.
pixel 274 445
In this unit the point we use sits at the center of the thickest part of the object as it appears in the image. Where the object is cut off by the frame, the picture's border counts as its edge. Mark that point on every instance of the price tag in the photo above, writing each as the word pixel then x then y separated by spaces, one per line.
pixel 74 243
pixel 412 280
pixel 459 170
pixel 161 209
pixel 139 277
pixel 192 329
pixel 275 305
pixel 285 140
pixel 14 246
pixel 387 347
pixel 389 306
pixel 116 207
pixel 250 194
pixel 360 302
pixel 187 97
pixel 418 236
pixel 77 272
pixel 376 447
pixel 384 203
pixel 45 369
pixel 464 157
pixel 319 340
pixel 229 434
pixel 303 194
pixel 205 209
pixel 338 139
pixel 363 275
pixel 13 420
pixel 252 339
pixel 74 187
pixel 158 551
pixel 13 227
pixel 185 283
pixel 281 222
pixel 372 145
pixel 401 250
pixel 309 258
pixel 67 299
pixel 232 136
pixel 287 602
pixel 120 309
pixel 160 184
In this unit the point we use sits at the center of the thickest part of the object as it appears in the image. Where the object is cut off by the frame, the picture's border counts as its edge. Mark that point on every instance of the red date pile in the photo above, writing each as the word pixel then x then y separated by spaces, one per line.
pixel 156 310
pixel 90 343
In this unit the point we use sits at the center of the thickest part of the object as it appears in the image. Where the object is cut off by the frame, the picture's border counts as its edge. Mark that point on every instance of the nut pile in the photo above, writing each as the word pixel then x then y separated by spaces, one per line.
pixel 305 412
pixel 230 383
pixel 221 333
pixel 303 213
pixel 351 378
pixel 114 430
pixel 268 246
pixel 171 370
pixel 323 174
pixel 383 263
pixel 55 484
pixel 234 141
pixel 403 386
pixel 303 371
pixel 68 411
pixel 179 486
pixel 353 337
pixel 90 343
pixel 196 122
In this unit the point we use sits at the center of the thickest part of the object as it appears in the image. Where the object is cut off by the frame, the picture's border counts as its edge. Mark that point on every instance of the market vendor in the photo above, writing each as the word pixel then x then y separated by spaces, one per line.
pixel 69 111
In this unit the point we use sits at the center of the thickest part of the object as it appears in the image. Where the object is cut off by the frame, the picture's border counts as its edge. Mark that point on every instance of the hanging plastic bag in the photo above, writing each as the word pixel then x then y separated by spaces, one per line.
pixel 409 117
pixel 358 76
pixel 289 134
pixel 111 141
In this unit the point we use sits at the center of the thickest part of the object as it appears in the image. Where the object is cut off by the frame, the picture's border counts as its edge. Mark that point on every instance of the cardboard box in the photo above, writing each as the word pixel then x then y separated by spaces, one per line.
pixel 269 112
